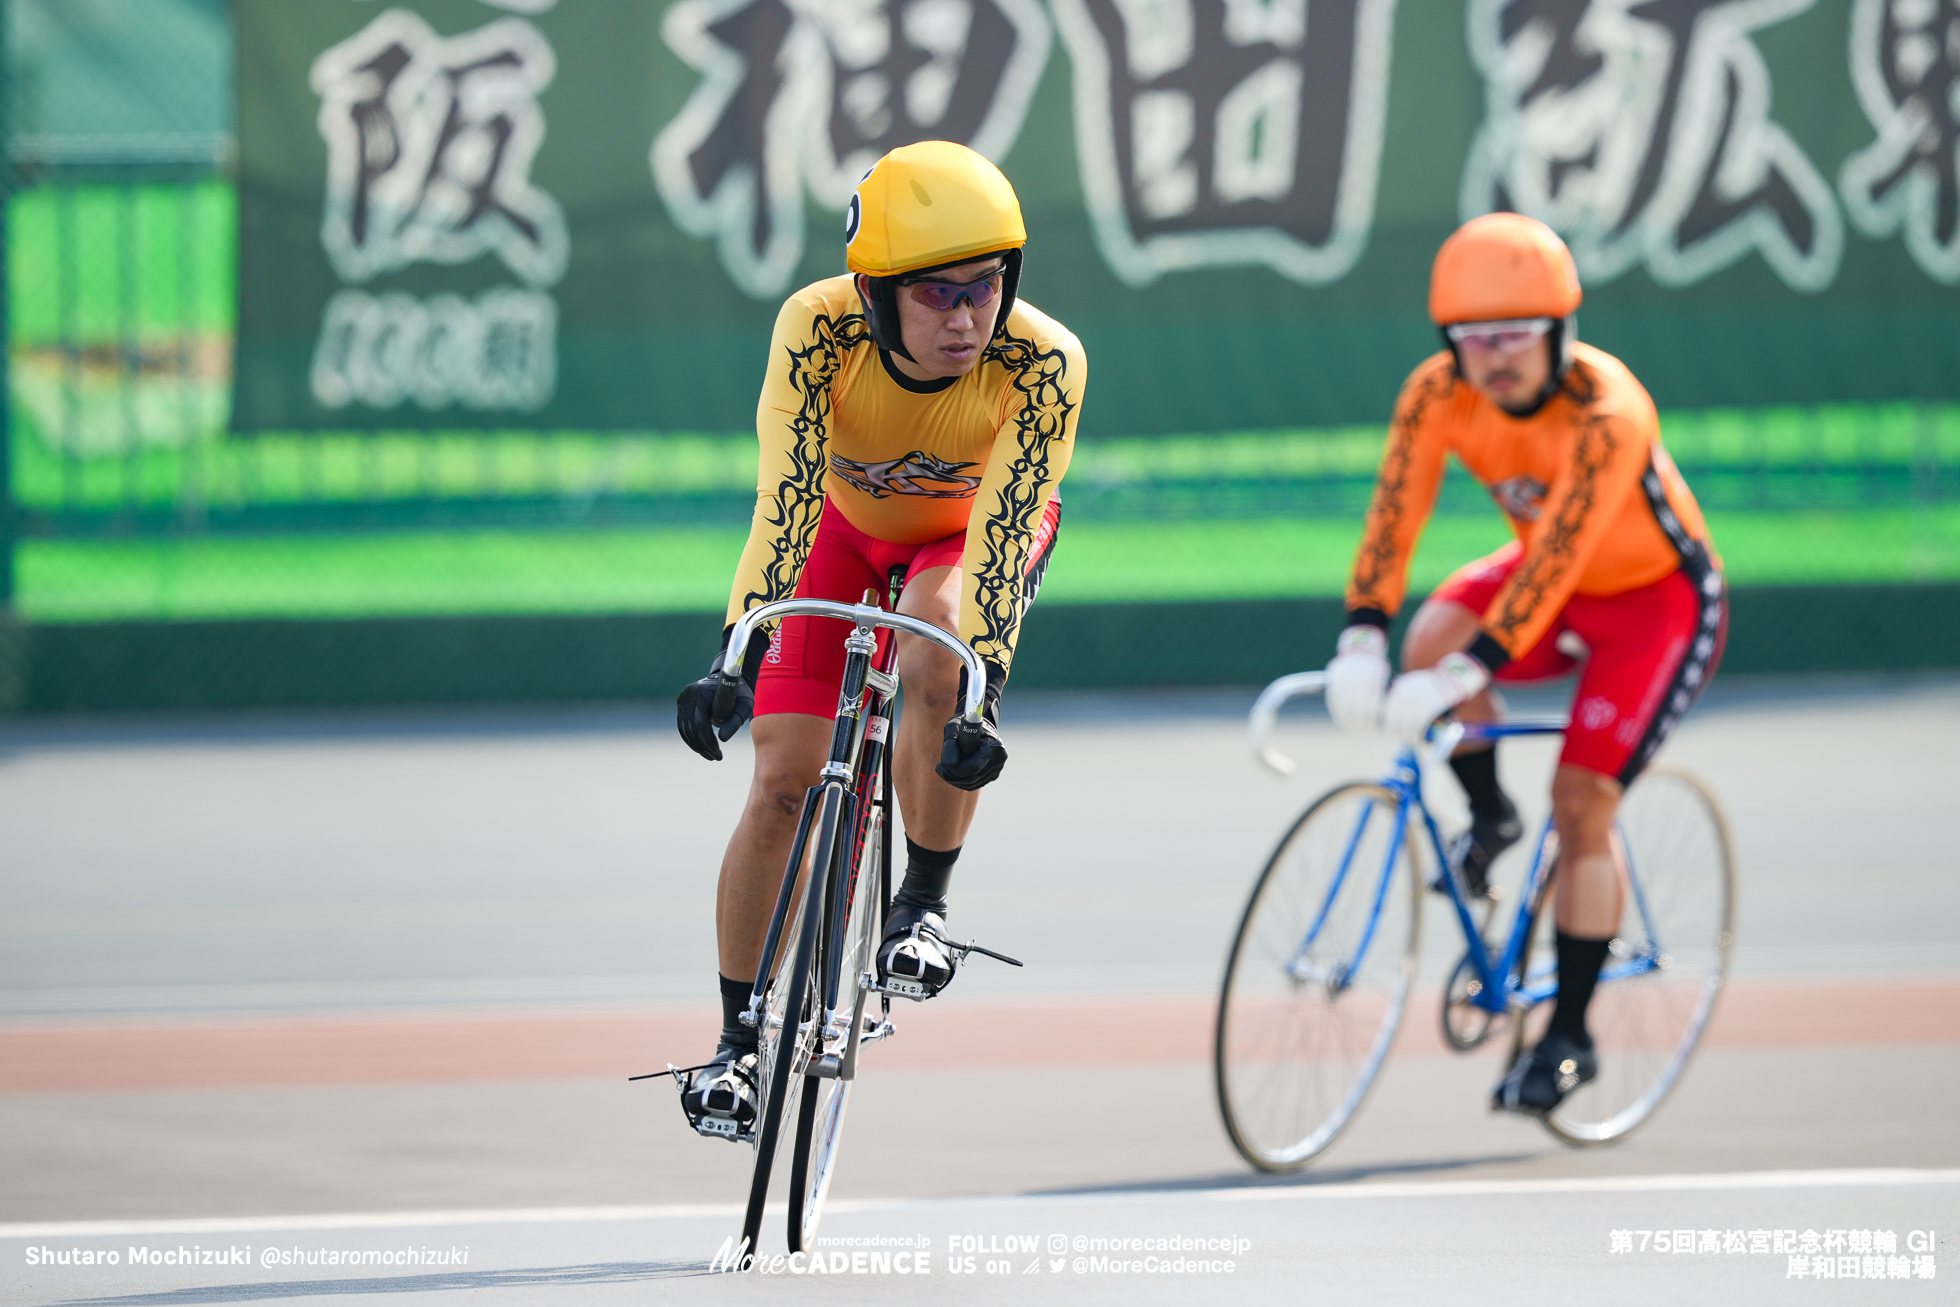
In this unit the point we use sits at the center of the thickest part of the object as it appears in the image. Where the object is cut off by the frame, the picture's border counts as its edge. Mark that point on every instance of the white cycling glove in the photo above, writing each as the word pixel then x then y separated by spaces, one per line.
pixel 1419 698
pixel 1356 679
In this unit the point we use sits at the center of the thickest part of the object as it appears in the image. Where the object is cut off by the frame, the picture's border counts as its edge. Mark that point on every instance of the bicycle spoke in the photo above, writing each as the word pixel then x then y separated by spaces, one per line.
pixel 1680 904
pixel 1318 979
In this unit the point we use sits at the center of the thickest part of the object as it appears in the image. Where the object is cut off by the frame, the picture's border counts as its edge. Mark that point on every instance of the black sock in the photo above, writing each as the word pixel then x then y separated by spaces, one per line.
pixel 927 874
pixel 1579 962
pixel 1477 773
pixel 734 1002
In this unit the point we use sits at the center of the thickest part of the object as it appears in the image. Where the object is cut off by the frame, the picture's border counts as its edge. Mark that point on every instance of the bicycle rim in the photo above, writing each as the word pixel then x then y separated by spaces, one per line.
pixel 1679 915
pixel 820 1117
pixel 1305 1020
pixel 783 1041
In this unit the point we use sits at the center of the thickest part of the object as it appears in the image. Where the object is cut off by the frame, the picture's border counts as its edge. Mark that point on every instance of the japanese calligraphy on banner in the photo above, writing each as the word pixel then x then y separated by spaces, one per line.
pixel 584 213
pixel 1234 133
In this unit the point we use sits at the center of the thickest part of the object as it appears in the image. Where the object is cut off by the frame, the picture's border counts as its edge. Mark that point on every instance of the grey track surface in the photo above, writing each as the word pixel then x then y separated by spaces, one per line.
pixel 470 861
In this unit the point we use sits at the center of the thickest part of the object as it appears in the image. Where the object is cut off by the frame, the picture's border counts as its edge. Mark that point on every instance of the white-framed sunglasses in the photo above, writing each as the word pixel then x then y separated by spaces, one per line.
pixel 1506 336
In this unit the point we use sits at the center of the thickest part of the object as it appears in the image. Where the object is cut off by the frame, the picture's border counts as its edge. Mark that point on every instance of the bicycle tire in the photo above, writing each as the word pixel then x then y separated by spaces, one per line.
pixel 820 1115
pixel 786 1026
pixel 1647 1026
pixel 1302 1033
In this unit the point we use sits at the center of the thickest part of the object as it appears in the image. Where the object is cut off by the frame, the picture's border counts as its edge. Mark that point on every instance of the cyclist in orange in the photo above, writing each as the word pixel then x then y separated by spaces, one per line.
pixel 1612 573
pixel 915 417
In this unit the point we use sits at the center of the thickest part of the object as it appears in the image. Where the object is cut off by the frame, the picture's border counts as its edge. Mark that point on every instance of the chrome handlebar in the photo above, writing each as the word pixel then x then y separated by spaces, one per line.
pixel 1441 740
pixel 867 618
pixel 1265 713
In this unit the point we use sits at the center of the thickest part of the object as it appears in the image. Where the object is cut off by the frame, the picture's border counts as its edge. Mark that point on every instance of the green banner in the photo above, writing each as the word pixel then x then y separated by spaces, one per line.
pixel 584 213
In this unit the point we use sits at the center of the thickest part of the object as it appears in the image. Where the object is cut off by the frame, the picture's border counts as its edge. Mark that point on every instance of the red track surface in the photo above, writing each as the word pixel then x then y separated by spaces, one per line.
pixel 507 1046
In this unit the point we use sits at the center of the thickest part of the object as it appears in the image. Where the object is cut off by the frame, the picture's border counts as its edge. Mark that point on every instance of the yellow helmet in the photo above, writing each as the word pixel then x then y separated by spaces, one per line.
pixel 930 205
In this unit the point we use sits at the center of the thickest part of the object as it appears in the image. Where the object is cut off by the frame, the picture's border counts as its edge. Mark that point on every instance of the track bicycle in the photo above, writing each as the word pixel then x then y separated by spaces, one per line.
pixel 1320 970
pixel 818 975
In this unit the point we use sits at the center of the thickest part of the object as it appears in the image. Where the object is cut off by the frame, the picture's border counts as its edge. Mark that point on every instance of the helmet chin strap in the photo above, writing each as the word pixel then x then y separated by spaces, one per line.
pixel 1560 339
pixel 881 314
pixel 881 304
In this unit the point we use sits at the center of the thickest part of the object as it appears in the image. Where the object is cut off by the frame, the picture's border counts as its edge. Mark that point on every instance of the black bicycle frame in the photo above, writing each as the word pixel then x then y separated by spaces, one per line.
pixel 859 705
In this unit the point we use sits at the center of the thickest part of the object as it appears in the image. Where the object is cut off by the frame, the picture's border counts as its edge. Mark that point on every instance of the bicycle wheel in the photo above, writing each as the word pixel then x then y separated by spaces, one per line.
pixel 1318 978
pixel 1666 967
pixel 788 1028
pixel 820 1118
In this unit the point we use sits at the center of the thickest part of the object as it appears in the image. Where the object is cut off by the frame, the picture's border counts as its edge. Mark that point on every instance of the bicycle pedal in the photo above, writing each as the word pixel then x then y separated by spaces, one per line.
pixel 903 987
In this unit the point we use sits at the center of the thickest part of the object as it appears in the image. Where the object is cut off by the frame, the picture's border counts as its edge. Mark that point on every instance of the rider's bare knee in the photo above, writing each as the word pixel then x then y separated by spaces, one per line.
pixel 1439 627
pixel 780 784
pixel 1583 803
pixel 931 677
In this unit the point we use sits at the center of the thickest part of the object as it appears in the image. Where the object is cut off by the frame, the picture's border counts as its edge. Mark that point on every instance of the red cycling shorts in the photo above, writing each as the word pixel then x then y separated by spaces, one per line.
pixel 804 668
pixel 1647 654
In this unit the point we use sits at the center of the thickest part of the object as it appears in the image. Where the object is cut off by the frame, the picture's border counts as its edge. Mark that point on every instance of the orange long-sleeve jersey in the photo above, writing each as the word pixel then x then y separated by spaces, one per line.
pixel 1587 487
pixel 909 461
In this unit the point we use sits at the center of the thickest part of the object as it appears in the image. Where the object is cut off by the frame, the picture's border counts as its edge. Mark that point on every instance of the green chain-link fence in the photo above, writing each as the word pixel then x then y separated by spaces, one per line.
pixel 133 501
pixel 123 469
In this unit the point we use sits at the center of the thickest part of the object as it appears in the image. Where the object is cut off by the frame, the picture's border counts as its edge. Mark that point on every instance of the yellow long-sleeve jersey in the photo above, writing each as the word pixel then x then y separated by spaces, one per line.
pixel 909 461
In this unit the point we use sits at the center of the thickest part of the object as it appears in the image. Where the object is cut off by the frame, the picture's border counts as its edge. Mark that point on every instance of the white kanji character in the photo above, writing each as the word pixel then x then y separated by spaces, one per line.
pixel 1241 133
pixel 802 96
pixel 1905 63
pixel 430 141
pixel 1641 130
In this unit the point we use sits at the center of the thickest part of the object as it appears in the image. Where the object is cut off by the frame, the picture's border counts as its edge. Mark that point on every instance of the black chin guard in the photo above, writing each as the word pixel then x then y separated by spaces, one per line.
pixel 881 303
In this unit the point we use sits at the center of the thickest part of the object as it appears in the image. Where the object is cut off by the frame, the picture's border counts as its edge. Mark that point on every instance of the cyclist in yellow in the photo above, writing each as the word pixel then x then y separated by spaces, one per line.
pixel 916 416
pixel 1612 573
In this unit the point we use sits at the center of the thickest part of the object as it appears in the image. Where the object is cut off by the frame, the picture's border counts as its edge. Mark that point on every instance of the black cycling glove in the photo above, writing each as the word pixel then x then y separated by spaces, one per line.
pixel 974 753
pixel 695 709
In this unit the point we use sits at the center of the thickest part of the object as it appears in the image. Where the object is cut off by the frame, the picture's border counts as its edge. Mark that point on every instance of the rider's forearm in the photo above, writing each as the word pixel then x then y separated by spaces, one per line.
pixel 1405 494
pixel 1003 537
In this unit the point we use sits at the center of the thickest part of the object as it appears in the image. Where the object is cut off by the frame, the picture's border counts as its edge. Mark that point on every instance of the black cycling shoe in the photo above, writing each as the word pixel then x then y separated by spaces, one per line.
pixel 719 1099
pixel 1472 852
pixel 914 959
pixel 1541 1078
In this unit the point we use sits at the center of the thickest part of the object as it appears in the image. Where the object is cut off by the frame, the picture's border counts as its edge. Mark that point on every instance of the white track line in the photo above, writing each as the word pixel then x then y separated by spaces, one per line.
pixel 1617 1184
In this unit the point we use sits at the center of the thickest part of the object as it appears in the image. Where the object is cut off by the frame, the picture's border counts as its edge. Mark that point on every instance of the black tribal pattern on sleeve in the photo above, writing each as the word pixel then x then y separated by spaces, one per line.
pixel 1378 553
pixel 799 495
pixel 1039 377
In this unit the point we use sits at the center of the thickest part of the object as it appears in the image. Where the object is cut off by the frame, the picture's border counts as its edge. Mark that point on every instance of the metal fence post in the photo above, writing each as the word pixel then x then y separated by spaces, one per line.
pixel 13 640
pixel 6 330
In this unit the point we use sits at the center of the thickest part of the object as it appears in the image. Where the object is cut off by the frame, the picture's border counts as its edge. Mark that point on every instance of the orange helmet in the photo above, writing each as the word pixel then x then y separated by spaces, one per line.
pixel 1499 266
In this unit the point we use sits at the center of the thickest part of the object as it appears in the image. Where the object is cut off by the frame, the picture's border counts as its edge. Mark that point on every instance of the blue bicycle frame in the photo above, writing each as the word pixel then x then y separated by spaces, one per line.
pixel 1497 984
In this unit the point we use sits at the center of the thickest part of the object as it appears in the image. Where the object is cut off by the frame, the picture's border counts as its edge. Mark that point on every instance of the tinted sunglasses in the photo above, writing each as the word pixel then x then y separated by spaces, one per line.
pixel 945 295
pixel 1500 337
